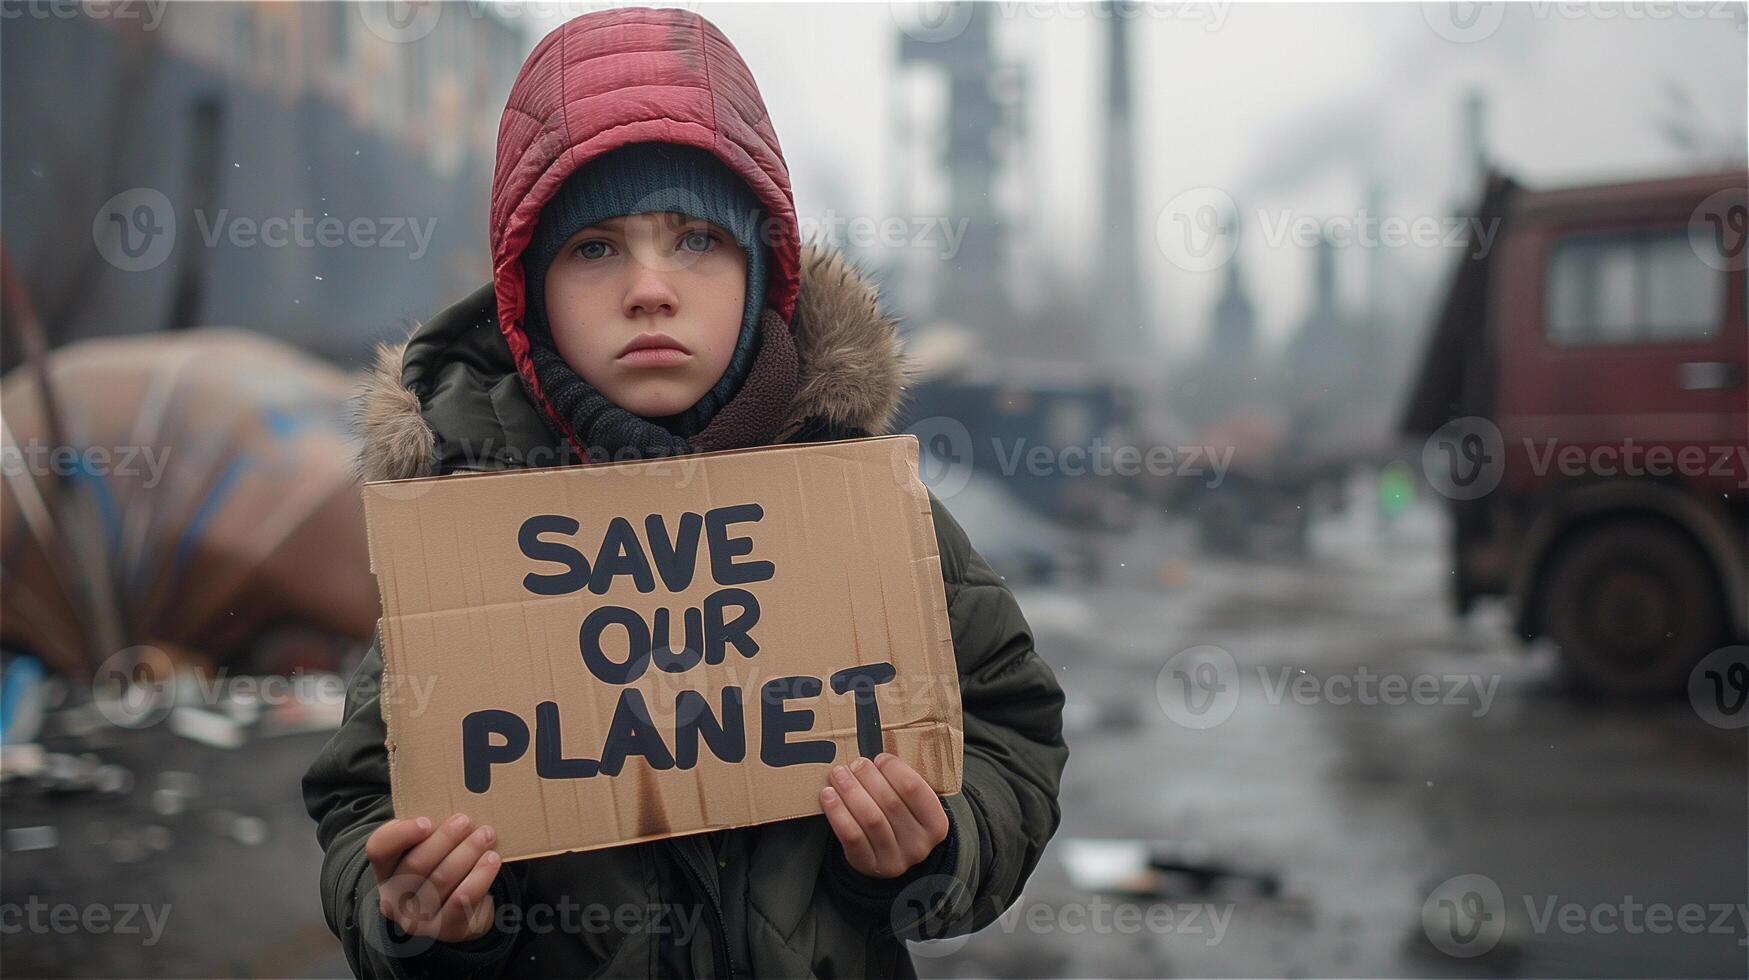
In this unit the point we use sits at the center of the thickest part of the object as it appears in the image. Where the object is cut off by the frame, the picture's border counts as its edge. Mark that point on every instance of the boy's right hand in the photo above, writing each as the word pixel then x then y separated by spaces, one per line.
pixel 435 880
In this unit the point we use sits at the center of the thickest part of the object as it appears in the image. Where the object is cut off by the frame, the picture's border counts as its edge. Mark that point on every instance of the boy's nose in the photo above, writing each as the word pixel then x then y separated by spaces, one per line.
pixel 648 293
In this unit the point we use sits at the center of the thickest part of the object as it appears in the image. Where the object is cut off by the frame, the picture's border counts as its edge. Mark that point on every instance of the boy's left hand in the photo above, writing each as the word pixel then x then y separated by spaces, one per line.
pixel 886 817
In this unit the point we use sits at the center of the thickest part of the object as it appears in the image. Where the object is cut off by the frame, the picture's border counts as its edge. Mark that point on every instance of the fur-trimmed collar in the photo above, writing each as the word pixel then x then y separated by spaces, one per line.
pixel 851 370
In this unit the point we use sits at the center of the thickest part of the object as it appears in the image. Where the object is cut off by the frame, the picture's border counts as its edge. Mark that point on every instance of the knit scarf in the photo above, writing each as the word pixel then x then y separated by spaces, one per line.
pixel 751 417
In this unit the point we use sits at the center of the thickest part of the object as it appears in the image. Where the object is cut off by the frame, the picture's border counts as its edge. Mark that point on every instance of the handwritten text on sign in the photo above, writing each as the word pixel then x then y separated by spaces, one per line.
pixel 668 559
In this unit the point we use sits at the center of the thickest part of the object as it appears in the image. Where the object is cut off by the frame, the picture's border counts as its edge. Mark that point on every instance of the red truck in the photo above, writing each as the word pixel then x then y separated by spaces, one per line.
pixel 1583 406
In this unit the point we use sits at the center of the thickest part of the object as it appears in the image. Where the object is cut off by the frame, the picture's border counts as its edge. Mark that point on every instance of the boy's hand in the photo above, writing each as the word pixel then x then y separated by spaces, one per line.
pixel 886 817
pixel 435 880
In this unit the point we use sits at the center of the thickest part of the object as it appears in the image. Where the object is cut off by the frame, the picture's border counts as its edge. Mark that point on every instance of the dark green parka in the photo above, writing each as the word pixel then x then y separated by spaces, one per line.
pixel 776 900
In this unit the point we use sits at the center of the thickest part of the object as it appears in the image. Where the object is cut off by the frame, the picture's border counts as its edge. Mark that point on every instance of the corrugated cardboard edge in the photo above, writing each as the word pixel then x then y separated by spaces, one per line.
pixel 384 706
pixel 942 658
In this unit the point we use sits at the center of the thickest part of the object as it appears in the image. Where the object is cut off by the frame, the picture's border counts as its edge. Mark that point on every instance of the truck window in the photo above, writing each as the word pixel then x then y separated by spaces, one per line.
pixel 1631 287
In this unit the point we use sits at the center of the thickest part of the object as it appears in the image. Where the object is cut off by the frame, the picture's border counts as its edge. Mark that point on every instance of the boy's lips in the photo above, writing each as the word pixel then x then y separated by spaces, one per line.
pixel 654 350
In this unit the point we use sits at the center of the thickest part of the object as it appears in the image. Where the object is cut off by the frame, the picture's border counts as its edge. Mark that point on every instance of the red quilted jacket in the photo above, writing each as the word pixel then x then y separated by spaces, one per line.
pixel 608 79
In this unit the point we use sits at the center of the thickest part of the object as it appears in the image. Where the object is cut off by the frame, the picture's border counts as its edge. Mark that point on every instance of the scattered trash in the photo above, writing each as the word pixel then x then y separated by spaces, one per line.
pixel 249 831
pixel 126 850
pixel 1083 717
pixel 113 780
pixel 304 713
pixel 164 812
pixel 39 838
pixel 158 837
pixel 20 761
pixel 184 783
pixel 22 693
pixel 168 803
pixel 1154 869
pixel 206 727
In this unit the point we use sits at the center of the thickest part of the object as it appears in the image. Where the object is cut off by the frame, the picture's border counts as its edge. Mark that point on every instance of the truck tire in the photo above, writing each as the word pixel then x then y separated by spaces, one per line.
pixel 1633 605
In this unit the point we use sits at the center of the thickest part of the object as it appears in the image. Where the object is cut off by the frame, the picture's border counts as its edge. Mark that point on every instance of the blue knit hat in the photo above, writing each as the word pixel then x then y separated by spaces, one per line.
pixel 647 178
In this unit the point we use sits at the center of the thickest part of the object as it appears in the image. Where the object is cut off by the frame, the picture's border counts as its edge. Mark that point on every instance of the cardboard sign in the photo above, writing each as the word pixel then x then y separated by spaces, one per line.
pixel 589 656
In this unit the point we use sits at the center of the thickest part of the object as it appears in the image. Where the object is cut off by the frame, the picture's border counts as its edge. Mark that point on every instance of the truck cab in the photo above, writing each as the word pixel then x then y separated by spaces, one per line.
pixel 1584 407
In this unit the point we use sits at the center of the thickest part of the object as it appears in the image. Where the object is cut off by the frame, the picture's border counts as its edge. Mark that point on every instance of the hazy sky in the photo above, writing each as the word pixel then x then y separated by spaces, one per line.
pixel 1288 109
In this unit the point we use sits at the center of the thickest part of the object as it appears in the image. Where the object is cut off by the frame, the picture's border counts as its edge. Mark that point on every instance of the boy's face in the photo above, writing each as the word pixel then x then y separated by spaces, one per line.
pixel 672 285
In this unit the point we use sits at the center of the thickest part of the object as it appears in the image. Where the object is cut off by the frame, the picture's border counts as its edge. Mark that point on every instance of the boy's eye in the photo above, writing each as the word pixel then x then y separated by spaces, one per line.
pixel 593 248
pixel 697 241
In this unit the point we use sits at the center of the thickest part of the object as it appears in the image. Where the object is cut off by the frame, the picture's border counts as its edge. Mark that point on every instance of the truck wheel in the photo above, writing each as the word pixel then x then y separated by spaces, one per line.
pixel 1633 606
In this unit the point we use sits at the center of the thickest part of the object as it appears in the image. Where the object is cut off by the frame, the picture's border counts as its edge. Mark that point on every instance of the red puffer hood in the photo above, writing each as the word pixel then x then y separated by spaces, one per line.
pixel 615 77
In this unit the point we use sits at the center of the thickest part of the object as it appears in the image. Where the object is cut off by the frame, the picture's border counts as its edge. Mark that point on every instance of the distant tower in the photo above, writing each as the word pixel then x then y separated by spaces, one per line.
pixel 1232 336
pixel 1233 328
pixel 1375 256
pixel 1324 277
pixel 1475 138
pixel 1125 333
pixel 970 289
pixel 1319 339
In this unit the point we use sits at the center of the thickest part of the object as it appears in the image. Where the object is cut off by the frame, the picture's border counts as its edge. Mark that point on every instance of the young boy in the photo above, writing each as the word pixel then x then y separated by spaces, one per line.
pixel 650 298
